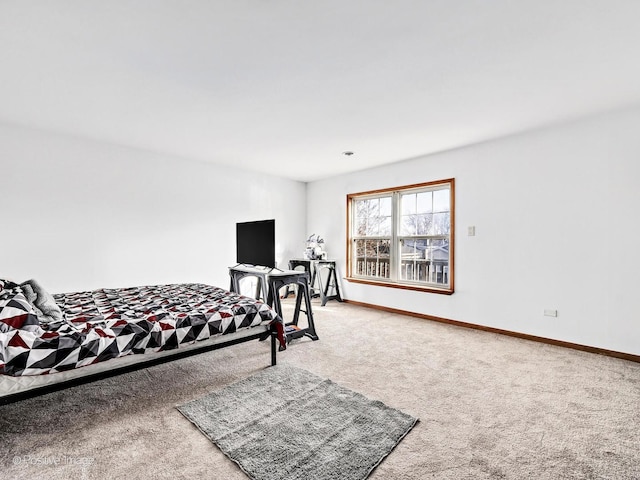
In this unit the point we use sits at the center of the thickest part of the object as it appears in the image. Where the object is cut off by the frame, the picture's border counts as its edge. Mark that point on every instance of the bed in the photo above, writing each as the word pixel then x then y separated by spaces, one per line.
pixel 49 341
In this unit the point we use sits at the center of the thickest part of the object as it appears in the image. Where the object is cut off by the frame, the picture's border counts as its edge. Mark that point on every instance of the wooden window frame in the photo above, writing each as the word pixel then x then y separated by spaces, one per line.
pixel 395 234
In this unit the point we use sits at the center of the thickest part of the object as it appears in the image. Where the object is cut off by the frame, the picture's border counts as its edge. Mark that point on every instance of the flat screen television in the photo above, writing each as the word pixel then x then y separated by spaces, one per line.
pixel 256 243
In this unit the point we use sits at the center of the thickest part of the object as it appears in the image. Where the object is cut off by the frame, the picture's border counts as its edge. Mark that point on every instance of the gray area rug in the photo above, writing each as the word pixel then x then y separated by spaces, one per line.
pixel 287 423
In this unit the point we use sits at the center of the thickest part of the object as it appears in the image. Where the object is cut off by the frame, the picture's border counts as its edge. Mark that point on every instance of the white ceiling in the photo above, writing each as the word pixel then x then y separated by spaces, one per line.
pixel 286 86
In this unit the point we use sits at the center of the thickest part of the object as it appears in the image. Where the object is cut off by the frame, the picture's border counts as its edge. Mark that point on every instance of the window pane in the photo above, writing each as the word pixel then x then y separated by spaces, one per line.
pixel 441 201
pixel 408 217
pixel 441 223
pixel 424 224
pixel 385 207
pixel 373 216
pixel 416 225
pixel 408 225
pixel 385 226
pixel 412 262
pixel 425 203
pixel 408 206
pixel 424 260
pixel 361 226
pixel 362 207
pixel 372 258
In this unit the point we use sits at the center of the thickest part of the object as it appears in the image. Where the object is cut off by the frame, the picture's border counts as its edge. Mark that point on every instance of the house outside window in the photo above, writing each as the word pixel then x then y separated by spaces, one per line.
pixel 403 237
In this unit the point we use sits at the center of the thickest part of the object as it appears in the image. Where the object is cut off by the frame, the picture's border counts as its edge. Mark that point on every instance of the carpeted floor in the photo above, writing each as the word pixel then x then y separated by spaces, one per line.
pixel 490 406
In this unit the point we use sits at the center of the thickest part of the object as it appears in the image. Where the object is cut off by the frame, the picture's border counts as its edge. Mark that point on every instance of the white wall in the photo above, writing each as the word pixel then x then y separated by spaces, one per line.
pixel 79 214
pixel 556 215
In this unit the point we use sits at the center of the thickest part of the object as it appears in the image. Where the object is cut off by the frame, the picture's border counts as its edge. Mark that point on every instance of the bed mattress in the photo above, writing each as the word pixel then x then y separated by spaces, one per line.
pixel 101 325
pixel 18 385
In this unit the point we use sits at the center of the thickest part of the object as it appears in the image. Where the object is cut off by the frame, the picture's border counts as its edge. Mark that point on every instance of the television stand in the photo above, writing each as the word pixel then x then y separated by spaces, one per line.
pixel 241 271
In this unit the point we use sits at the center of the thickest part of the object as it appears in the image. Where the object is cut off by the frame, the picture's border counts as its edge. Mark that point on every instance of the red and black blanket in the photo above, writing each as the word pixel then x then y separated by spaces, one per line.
pixel 72 330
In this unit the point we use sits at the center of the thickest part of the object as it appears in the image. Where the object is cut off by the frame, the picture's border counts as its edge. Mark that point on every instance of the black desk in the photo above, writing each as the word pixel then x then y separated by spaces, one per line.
pixel 271 281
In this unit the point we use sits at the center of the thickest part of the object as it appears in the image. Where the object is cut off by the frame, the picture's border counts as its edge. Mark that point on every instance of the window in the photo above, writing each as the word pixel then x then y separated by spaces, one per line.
pixel 403 237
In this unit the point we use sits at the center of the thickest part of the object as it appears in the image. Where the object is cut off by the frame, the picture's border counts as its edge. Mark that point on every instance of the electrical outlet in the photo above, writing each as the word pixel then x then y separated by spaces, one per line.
pixel 550 313
pixel 471 231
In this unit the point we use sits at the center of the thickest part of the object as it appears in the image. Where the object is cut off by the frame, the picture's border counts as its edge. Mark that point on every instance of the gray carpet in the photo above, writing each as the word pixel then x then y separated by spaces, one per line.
pixel 490 407
pixel 287 423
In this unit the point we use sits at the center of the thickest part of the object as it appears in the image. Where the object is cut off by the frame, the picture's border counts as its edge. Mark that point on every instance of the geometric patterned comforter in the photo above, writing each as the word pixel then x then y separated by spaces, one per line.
pixel 103 324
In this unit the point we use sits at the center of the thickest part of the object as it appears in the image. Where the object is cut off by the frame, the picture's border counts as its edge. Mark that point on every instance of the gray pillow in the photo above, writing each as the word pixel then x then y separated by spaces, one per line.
pixel 43 302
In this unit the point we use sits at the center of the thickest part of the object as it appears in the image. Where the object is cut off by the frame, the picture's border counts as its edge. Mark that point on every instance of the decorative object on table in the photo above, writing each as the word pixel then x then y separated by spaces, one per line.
pixel 295 425
pixel 315 248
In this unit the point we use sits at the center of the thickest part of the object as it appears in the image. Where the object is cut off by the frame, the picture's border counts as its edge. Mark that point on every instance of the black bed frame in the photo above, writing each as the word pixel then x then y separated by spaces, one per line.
pixel 15 397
